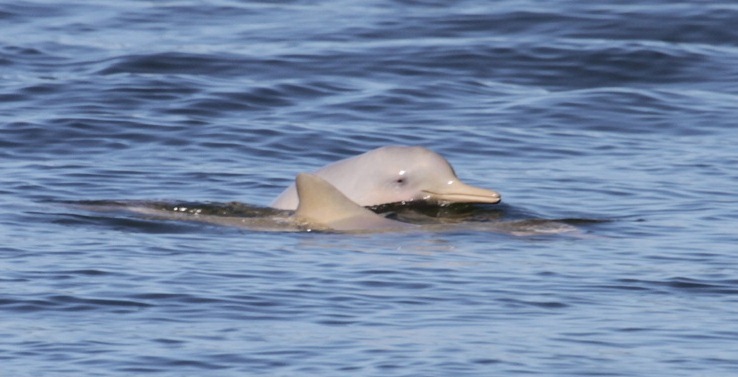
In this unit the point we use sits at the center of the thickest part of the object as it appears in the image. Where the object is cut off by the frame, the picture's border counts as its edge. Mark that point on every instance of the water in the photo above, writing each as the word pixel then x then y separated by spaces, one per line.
pixel 618 119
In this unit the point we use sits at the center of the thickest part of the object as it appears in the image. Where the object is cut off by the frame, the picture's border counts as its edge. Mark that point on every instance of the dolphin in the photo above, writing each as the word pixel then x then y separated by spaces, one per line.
pixel 324 207
pixel 394 174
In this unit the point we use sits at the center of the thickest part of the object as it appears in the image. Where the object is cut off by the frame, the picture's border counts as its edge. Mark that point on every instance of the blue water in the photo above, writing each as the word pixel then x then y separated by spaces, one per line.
pixel 616 119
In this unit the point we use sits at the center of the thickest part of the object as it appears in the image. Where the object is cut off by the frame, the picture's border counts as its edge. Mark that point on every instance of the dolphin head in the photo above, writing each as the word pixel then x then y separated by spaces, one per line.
pixel 395 174
pixel 415 174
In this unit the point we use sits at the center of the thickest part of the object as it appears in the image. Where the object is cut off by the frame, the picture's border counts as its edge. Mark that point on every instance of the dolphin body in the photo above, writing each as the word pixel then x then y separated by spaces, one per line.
pixel 322 208
pixel 394 174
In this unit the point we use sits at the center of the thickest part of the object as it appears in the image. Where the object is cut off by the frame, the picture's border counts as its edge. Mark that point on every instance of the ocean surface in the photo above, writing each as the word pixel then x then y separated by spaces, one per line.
pixel 610 129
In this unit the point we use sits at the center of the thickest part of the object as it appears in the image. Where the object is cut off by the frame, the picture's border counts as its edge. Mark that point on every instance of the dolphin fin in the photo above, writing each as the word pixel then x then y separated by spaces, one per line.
pixel 323 206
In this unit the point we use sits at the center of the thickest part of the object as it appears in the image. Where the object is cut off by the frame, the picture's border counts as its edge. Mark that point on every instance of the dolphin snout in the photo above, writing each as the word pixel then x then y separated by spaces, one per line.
pixel 459 192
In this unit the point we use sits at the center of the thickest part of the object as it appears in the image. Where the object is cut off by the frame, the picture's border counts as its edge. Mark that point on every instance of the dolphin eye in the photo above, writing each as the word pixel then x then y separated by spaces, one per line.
pixel 401 179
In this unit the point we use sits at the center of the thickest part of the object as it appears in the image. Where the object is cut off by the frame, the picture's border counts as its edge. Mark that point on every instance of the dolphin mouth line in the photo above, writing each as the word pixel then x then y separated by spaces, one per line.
pixel 460 197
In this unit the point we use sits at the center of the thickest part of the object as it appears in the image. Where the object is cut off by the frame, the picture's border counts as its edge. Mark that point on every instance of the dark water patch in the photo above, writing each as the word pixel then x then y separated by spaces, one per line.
pixel 507 21
pixel 562 64
pixel 42 89
pixel 214 104
pixel 45 62
pixel 393 284
pixel 126 224
pixel 70 274
pixel 14 52
pixel 680 284
pixel 140 89
pixel 675 23
pixel 21 12
pixel 152 16
pixel 614 122
pixel 152 364
pixel 538 304
pixel 726 287
pixel 173 63
pixel 67 303
pixel 92 135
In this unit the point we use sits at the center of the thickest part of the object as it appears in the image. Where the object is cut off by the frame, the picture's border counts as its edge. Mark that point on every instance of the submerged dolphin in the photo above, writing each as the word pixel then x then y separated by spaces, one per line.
pixel 394 174
pixel 323 207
